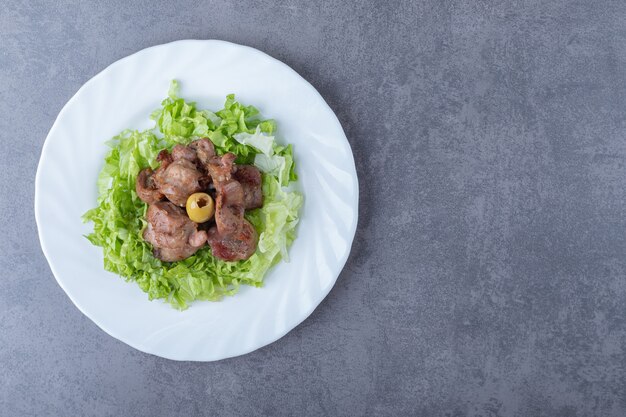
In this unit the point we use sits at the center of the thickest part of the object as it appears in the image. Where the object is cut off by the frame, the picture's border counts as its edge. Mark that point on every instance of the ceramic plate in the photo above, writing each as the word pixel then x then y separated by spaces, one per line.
pixel 123 96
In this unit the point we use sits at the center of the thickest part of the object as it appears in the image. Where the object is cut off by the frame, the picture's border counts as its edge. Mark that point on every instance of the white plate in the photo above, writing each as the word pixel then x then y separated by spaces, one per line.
pixel 122 96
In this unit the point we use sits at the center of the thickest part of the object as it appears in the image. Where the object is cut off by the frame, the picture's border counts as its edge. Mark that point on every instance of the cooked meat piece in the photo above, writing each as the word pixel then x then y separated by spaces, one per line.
pixel 236 246
pixel 198 151
pixel 220 168
pixel 173 236
pixel 146 188
pixel 183 152
pixel 250 179
pixel 147 183
pixel 233 238
pixel 165 158
pixel 168 226
pixel 204 150
pixel 229 207
pixel 229 200
pixel 179 180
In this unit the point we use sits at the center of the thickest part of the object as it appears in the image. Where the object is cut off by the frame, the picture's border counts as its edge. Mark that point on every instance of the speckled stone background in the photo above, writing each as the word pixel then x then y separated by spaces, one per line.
pixel 488 273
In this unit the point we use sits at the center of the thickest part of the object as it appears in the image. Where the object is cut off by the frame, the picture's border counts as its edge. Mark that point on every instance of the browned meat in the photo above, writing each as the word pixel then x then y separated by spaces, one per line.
pixel 164 158
pixel 183 152
pixel 233 238
pixel 229 207
pixel 250 179
pixel 221 168
pixel 173 236
pixel 179 180
pixel 189 169
pixel 236 246
pixel 229 201
pixel 180 174
pixel 146 187
pixel 204 150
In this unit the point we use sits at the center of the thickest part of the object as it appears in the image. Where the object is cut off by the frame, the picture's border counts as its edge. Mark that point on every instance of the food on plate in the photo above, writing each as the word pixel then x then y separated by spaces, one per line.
pixel 197 205
pixel 184 178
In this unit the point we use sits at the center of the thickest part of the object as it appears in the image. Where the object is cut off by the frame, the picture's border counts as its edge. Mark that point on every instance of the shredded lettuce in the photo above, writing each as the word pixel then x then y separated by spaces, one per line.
pixel 119 218
pixel 260 141
pixel 273 159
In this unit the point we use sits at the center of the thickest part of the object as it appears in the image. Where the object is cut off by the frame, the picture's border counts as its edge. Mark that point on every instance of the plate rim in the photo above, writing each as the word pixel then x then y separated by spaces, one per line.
pixel 37 198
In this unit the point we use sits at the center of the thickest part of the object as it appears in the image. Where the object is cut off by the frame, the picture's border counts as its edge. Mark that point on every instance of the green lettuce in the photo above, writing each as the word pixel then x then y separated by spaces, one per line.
pixel 272 159
pixel 119 218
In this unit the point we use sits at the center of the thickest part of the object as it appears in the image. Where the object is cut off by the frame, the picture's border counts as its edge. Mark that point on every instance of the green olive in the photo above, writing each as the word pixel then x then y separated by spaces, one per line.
pixel 200 207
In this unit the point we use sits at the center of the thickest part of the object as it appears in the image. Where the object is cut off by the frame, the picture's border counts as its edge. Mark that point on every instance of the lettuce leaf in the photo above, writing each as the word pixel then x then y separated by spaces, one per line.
pixel 119 218
pixel 260 141
pixel 273 159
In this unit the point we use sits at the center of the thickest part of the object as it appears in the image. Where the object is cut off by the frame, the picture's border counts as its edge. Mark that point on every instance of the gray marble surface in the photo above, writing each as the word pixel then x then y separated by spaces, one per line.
pixel 488 273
